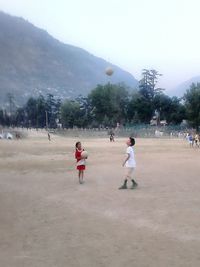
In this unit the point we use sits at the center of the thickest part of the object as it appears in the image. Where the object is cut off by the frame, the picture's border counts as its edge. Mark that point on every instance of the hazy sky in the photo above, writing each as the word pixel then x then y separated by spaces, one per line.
pixel 133 34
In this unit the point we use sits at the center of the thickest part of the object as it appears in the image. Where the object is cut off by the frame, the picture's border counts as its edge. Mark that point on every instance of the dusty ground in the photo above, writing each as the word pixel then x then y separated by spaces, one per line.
pixel 48 220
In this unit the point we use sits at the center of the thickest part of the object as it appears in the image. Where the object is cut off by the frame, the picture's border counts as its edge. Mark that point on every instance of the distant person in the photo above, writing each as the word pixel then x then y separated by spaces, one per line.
pixel 17 136
pixel 49 136
pixel 191 140
pixel 129 164
pixel 80 165
pixel 196 140
pixel 112 138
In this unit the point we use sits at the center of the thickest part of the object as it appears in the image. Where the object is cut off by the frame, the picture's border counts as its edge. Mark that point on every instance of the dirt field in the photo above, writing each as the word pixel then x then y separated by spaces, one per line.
pixel 47 219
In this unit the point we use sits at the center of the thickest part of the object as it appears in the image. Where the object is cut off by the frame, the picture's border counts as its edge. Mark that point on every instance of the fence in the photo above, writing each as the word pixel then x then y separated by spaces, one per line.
pixel 141 131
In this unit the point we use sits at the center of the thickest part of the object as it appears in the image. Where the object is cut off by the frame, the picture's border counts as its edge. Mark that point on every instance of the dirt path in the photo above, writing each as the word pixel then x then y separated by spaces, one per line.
pixel 48 220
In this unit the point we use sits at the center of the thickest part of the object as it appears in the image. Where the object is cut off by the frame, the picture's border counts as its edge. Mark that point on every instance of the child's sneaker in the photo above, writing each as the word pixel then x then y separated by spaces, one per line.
pixel 124 186
pixel 134 186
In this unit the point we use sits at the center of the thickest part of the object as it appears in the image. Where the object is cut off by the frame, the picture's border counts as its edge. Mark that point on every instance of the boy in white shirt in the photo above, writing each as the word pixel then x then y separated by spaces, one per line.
pixel 130 164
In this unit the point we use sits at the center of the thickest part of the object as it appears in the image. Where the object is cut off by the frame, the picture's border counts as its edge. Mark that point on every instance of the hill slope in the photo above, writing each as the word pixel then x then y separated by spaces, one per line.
pixel 180 90
pixel 33 62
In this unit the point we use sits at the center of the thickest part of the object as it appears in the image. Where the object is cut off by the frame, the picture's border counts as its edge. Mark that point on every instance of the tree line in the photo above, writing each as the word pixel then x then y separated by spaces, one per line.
pixel 107 105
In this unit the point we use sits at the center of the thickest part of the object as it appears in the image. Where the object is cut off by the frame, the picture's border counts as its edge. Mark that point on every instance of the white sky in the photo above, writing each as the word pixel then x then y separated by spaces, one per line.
pixel 133 34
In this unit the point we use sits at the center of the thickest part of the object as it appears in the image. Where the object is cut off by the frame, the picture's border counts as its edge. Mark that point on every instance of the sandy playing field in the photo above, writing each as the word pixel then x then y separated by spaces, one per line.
pixel 47 219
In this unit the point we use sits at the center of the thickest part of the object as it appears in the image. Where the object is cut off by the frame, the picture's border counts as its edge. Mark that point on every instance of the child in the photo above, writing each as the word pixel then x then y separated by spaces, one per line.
pixel 112 139
pixel 80 162
pixel 196 139
pixel 191 140
pixel 49 137
pixel 130 164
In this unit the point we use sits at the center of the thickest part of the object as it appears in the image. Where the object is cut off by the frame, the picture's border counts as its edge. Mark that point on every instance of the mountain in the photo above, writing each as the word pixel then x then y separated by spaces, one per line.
pixel 33 62
pixel 180 90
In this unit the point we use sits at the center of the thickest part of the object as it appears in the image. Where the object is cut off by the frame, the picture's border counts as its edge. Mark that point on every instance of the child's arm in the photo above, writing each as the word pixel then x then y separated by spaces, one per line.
pixel 127 158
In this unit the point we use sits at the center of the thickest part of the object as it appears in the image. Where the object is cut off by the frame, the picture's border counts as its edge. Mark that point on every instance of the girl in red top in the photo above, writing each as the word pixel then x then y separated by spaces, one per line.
pixel 80 162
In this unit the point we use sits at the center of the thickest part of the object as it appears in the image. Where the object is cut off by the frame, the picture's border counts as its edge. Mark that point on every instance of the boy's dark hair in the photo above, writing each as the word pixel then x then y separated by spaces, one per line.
pixel 132 140
pixel 77 143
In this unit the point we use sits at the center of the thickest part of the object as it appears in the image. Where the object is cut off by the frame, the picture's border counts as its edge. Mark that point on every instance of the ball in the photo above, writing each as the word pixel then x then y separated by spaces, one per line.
pixel 84 154
pixel 109 71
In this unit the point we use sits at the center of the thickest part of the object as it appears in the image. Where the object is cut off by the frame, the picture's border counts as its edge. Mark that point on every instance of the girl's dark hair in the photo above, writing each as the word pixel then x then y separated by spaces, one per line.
pixel 132 140
pixel 77 143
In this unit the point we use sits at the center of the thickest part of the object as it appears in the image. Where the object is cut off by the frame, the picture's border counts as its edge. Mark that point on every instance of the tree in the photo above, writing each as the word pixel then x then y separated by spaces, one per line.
pixel 11 109
pixel 161 104
pixel 144 109
pixel 85 110
pixel 51 110
pixel 147 85
pixel 148 91
pixel 58 110
pixel 41 112
pixel 170 109
pixel 109 104
pixel 70 114
pixel 11 103
pixel 177 112
pixel 31 111
pixel 20 117
pixel 139 109
pixel 2 117
pixel 192 104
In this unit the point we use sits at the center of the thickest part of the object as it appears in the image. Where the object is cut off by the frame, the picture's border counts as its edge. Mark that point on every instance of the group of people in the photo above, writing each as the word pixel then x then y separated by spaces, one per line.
pixel 193 139
pixel 129 163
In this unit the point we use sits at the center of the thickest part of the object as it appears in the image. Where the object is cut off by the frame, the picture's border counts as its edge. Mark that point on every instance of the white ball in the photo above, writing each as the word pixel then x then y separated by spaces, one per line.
pixel 109 71
pixel 84 154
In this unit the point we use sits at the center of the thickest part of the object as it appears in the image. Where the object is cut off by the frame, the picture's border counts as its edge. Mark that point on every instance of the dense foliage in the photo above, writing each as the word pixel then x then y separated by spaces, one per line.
pixel 192 104
pixel 107 105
